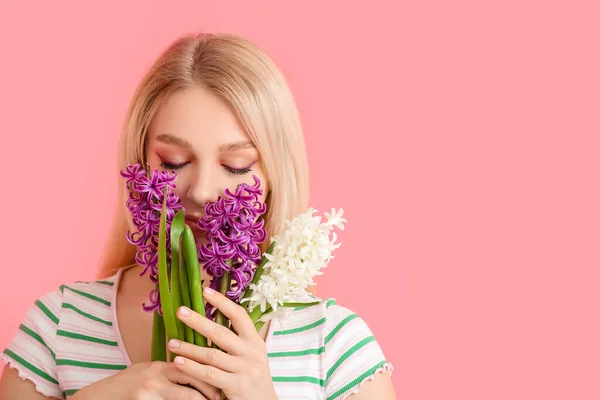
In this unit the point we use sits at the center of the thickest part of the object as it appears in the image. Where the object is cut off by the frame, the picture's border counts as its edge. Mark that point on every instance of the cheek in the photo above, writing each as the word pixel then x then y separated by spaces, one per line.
pixel 179 191
pixel 153 160
pixel 263 185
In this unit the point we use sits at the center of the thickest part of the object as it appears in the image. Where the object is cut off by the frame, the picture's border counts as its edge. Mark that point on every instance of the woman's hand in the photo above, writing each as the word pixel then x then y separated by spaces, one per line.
pixel 243 372
pixel 149 381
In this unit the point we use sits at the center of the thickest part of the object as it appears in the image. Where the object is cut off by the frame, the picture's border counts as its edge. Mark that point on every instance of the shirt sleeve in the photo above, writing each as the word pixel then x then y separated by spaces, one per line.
pixel 352 354
pixel 32 349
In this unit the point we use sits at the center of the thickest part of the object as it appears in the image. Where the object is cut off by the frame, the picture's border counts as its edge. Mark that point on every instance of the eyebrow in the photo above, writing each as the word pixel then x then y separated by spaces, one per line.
pixel 174 140
pixel 167 138
pixel 235 146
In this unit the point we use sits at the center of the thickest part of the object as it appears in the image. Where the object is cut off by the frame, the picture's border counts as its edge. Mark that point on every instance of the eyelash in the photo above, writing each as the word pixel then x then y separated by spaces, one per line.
pixel 234 171
pixel 241 171
pixel 167 165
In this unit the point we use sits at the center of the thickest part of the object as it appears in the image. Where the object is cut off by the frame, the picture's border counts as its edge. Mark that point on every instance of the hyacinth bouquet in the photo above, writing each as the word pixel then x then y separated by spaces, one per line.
pixel 266 284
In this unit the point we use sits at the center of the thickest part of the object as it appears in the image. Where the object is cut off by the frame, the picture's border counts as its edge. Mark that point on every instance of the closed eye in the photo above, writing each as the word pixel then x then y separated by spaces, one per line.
pixel 235 171
pixel 167 165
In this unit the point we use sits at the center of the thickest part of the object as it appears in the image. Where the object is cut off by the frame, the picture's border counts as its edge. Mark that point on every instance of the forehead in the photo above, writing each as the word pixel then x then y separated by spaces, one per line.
pixel 198 116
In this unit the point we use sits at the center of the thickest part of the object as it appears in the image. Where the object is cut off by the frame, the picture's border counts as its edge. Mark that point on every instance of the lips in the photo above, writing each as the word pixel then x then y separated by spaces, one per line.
pixel 191 222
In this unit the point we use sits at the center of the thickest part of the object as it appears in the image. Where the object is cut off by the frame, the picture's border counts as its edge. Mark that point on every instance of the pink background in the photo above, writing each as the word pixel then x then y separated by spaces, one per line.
pixel 460 137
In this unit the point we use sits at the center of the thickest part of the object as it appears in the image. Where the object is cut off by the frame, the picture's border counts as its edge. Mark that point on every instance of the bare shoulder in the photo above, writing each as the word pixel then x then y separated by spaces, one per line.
pixel 14 387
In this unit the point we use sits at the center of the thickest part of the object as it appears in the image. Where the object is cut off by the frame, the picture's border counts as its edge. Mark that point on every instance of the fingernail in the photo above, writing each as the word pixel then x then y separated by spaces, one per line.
pixel 174 344
pixel 179 360
pixel 185 312
pixel 208 291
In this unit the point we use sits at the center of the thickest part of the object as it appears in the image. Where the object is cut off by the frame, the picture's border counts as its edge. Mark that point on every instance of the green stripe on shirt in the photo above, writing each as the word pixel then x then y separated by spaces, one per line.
pixel 30 366
pixel 83 364
pixel 86 338
pixel 108 283
pixel 37 337
pixel 348 353
pixel 339 326
pixel 297 353
pixel 89 296
pixel 356 381
pixel 309 379
pixel 83 313
pixel 300 329
pixel 46 311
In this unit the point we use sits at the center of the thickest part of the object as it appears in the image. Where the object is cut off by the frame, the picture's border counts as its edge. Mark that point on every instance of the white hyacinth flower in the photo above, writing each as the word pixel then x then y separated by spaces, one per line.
pixel 299 254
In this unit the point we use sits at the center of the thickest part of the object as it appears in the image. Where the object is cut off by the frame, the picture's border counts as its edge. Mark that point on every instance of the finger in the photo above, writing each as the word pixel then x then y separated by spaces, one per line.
pixel 148 395
pixel 237 314
pixel 205 373
pixel 205 355
pixel 177 392
pixel 176 375
pixel 220 335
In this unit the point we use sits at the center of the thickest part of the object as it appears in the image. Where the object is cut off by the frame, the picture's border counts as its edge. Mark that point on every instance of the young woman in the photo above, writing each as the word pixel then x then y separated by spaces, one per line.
pixel 218 111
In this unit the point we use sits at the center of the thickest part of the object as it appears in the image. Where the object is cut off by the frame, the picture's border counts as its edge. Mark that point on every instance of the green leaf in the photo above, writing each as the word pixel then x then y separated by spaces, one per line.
pixel 177 226
pixel 220 318
pixel 257 313
pixel 258 325
pixel 163 276
pixel 190 253
pixel 159 346
pixel 309 304
pixel 185 296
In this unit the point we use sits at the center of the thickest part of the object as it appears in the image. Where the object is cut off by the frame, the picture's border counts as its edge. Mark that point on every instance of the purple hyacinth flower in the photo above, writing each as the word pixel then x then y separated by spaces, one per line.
pixel 154 302
pixel 155 185
pixel 234 239
pixel 232 225
pixel 242 275
pixel 215 257
pixel 252 193
pixel 234 231
pixel 145 205
pixel 133 173
pixel 247 225
pixel 218 216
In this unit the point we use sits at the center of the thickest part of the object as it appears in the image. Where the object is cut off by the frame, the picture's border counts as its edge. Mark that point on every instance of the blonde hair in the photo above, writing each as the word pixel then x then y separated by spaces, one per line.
pixel 248 80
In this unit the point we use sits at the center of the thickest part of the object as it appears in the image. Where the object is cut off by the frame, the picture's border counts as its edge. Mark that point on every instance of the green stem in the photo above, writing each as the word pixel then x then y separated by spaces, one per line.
pixel 310 304
pixel 159 346
pixel 259 326
pixel 220 318
pixel 163 276
pixel 257 313
pixel 176 229
pixel 186 298
pixel 190 253
pixel 225 283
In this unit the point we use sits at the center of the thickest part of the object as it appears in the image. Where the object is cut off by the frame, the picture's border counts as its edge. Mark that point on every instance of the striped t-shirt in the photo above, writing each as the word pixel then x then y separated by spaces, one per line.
pixel 70 338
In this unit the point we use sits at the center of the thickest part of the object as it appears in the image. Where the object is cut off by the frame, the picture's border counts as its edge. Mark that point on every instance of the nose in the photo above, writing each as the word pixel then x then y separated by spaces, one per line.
pixel 203 187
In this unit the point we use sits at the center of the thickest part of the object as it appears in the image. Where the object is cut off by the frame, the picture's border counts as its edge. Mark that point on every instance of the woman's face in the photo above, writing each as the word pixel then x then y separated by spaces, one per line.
pixel 196 134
